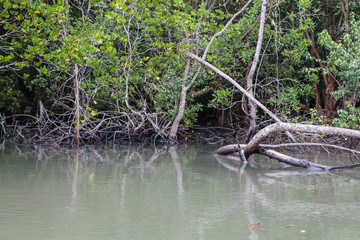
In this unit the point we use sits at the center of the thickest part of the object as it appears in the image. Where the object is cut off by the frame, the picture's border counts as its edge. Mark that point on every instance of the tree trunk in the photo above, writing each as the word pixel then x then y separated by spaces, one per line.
pixel 185 88
pixel 345 11
pixel 329 81
pixel 329 100
pixel 295 127
pixel 317 97
pixel 317 93
pixel 245 150
pixel 181 111
pixel 254 145
pixel 250 76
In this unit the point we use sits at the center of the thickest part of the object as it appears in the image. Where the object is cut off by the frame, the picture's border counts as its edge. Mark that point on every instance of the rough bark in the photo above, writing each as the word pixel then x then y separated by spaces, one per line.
pixel 345 11
pixel 329 100
pixel 329 81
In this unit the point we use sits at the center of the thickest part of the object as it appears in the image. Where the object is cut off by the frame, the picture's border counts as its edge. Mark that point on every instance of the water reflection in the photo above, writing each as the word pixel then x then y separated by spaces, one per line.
pixel 285 182
pixel 179 179
pixel 74 171
pixel 180 192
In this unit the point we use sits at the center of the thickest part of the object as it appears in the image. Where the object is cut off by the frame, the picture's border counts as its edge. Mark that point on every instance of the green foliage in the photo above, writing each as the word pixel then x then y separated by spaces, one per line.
pixel 11 96
pixel 221 98
pixel 304 4
pixel 315 118
pixel 191 113
pixel 348 118
pixel 141 46
pixel 288 101
pixel 344 60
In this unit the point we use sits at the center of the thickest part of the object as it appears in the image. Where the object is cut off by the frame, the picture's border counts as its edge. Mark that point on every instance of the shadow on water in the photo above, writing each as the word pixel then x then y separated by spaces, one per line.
pixel 178 192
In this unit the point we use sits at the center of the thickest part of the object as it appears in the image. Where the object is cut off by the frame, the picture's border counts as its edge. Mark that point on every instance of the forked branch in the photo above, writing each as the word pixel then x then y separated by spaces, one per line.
pixel 255 146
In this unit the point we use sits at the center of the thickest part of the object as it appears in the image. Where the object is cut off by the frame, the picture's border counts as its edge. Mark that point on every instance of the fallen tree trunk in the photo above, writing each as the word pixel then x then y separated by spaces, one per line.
pixel 254 145
pixel 234 150
pixel 241 89
pixel 280 126
pixel 243 151
pixel 307 128
pixel 302 162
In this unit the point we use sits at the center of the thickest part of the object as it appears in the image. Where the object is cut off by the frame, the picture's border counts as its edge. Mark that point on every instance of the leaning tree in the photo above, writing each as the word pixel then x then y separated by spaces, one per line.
pixel 253 141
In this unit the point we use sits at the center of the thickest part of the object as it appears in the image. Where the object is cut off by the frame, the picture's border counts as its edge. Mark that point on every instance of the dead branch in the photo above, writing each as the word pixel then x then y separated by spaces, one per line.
pixel 277 127
pixel 323 145
pixel 253 146
pixel 233 152
pixel 241 89
pixel 232 81
pixel 302 162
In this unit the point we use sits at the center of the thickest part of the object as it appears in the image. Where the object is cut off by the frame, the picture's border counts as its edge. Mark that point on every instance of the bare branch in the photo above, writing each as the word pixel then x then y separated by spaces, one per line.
pixel 276 127
pixel 225 27
pixel 285 145
pixel 233 150
pixel 232 81
pixel 212 40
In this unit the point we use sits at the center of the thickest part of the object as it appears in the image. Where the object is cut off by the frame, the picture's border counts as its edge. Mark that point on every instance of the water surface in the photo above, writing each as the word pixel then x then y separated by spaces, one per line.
pixel 138 192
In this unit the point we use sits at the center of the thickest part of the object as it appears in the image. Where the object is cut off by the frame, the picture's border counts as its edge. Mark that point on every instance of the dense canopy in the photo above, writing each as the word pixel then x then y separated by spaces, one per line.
pixel 104 69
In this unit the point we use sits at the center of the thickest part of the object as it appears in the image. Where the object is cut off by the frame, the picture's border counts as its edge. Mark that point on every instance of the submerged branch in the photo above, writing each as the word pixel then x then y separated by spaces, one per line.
pixel 254 145
pixel 302 162
pixel 234 149
pixel 323 145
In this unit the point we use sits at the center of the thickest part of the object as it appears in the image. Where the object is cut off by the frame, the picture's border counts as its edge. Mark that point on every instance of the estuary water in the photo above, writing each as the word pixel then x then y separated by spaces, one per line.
pixel 184 193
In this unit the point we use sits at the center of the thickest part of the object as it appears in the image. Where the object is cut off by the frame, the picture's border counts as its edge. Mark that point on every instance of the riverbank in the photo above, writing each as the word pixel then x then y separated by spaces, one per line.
pixel 189 134
pixel 194 134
